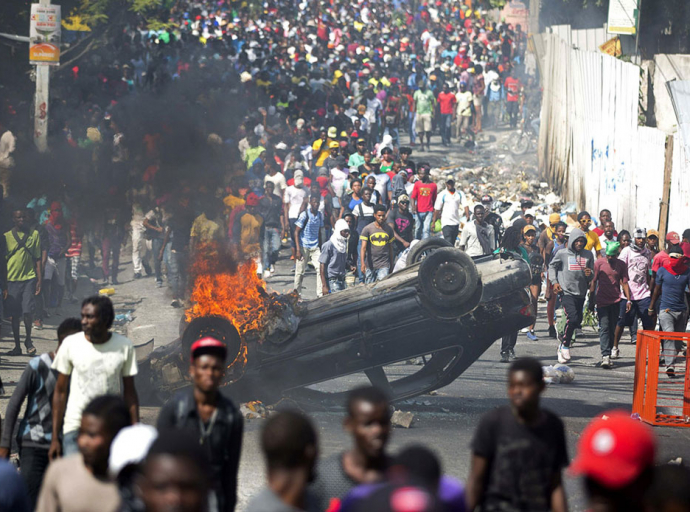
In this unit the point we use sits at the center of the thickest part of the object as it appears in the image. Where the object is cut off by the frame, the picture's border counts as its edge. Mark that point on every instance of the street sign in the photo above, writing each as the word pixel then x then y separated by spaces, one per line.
pixel 44 34
pixel 623 16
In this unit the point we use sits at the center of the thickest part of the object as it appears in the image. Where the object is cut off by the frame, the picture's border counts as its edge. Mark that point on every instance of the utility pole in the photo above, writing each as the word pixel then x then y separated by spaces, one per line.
pixel 42 96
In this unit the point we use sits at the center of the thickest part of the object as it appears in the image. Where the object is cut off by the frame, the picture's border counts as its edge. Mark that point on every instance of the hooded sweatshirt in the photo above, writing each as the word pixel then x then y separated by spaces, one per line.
pixel 567 267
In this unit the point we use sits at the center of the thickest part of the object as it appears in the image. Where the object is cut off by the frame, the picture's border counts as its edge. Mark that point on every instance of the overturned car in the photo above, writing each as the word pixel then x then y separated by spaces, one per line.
pixel 443 306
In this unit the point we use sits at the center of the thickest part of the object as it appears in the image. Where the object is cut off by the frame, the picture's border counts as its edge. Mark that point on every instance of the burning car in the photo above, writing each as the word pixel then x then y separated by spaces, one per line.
pixel 443 307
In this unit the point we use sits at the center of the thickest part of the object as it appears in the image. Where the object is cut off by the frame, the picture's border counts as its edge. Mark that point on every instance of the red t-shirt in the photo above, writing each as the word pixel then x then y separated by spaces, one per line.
pixel 425 195
pixel 446 101
pixel 609 276
pixel 307 182
pixel 323 184
pixel 512 88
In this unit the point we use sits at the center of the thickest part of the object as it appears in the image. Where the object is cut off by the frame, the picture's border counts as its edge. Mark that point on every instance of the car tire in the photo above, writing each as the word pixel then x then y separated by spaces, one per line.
pixel 422 249
pixel 449 280
pixel 215 327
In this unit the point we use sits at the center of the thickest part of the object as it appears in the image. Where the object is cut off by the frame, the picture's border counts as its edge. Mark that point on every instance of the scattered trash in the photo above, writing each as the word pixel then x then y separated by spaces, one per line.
pixel 635 416
pixel 123 318
pixel 254 410
pixel 558 374
pixel 678 461
pixel 106 291
pixel 402 419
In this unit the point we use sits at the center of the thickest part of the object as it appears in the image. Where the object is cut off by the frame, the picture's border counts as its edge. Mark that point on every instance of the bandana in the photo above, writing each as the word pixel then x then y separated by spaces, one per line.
pixel 339 241
pixel 676 266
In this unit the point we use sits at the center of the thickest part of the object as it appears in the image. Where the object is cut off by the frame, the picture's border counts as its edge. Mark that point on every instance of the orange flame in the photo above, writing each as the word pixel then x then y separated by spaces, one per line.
pixel 233 291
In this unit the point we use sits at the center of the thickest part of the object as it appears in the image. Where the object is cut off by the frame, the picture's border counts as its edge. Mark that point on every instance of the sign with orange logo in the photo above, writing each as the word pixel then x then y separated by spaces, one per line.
pixel 44 34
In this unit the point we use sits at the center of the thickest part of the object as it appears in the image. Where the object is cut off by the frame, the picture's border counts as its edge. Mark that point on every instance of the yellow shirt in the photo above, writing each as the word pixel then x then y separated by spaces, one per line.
pixel 593 241
pixel 205 230
pixel 325 151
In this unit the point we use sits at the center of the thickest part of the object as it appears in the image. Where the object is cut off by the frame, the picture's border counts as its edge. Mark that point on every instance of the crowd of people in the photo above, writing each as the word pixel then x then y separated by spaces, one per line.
pixel 627 277
pixel 83 445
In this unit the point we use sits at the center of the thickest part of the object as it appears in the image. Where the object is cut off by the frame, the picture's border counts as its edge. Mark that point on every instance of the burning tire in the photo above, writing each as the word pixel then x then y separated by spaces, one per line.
pixel 215 327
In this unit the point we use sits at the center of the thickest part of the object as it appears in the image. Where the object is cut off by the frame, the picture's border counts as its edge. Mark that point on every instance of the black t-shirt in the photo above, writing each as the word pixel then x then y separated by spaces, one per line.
pixel 403 223
pixel 523 460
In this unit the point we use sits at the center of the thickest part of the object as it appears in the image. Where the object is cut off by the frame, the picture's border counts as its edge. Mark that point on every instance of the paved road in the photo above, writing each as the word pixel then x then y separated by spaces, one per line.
pixel 444 421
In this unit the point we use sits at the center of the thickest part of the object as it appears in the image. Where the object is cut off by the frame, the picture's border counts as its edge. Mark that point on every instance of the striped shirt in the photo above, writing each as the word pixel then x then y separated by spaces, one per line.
pixel 310 225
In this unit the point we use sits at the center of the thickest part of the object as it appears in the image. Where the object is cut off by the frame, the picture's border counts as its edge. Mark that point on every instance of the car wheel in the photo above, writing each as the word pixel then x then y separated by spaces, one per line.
pixel 215 327
pixel 422 249
pixel 448 279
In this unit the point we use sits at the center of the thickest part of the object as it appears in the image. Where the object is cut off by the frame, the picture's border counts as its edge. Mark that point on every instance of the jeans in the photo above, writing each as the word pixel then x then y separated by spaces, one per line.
pixel 376 275
pixel 446 123
pixel 412 118
pixel 671 321
pixel 308 254
pixel 423 225
pixel 360 275
pixel 572 306
pixel 608 318
pixel 110 243
pixel 450 233
pixel 336 284
pixel 394 132
pixel 157 245
pixel 512 107
pixel 69 443
pixel 34 462
pixel 271 246
pixel 508 342
pixel 176 274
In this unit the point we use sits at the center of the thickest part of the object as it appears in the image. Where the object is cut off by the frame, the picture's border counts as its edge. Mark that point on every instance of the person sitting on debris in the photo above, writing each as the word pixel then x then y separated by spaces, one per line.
pixel 333 258
pixel 368 421
pixel 571 271
pixel 610 275
pixel 615 455
pixel 290 447
pixel 212 418
pixel 478 237
pixel 519 439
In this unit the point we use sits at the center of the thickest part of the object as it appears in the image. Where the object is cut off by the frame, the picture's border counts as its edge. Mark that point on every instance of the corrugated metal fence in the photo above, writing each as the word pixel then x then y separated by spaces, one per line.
pixel 591 148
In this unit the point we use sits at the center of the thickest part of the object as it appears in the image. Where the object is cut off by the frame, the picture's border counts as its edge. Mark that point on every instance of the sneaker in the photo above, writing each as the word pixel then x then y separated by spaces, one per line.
pixel 137 275
pixel 615 353
pixel 114 281
pixel 563 354
pixel 552 331
pixel 272 269
pixel 671 372
pixel 531 336
pixel 606 363
pixel 38 324
pixel 512 354
pixel 267 274
pixel 524 330
pixel 505 357
pixel 176 303
pixel 159 284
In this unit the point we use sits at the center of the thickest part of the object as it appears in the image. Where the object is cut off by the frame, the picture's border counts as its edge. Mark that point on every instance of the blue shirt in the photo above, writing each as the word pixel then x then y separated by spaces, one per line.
pixel 310 225
pixel 672 289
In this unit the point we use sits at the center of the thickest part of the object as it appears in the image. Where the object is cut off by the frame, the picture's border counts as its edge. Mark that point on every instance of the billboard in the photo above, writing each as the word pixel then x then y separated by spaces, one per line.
pixel 44 34
pixel 623 16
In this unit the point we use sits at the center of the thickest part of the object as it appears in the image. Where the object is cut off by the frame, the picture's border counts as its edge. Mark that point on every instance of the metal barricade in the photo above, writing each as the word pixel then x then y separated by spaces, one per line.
pixel 660 399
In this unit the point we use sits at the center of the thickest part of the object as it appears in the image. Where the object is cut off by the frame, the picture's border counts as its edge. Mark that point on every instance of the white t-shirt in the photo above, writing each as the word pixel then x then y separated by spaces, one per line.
pixel 279 181
pixel 294 197
pixel 449 205
pixel 338 179
pixel 464 102
pixel 95 369
pixel 470 241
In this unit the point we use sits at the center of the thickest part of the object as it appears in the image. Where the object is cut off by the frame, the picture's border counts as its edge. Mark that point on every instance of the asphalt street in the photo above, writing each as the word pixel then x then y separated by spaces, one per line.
pixel 444 421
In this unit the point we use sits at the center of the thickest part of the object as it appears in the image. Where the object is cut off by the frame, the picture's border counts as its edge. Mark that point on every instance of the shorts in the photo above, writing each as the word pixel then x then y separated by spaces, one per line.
pixel 55 269
pixel 21 297
pixel 477 100
pixel 423 123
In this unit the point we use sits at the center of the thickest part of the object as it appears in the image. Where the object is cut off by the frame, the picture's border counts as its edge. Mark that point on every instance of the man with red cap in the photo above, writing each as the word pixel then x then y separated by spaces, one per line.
pixel 616 457
pixel 211 418
pixel 248 232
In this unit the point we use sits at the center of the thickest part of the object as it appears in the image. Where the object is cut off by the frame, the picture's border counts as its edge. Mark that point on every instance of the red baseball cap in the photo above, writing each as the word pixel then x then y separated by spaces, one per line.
pixel 252 199
pixel 673 237
pixel 614 450
pixel 208 345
